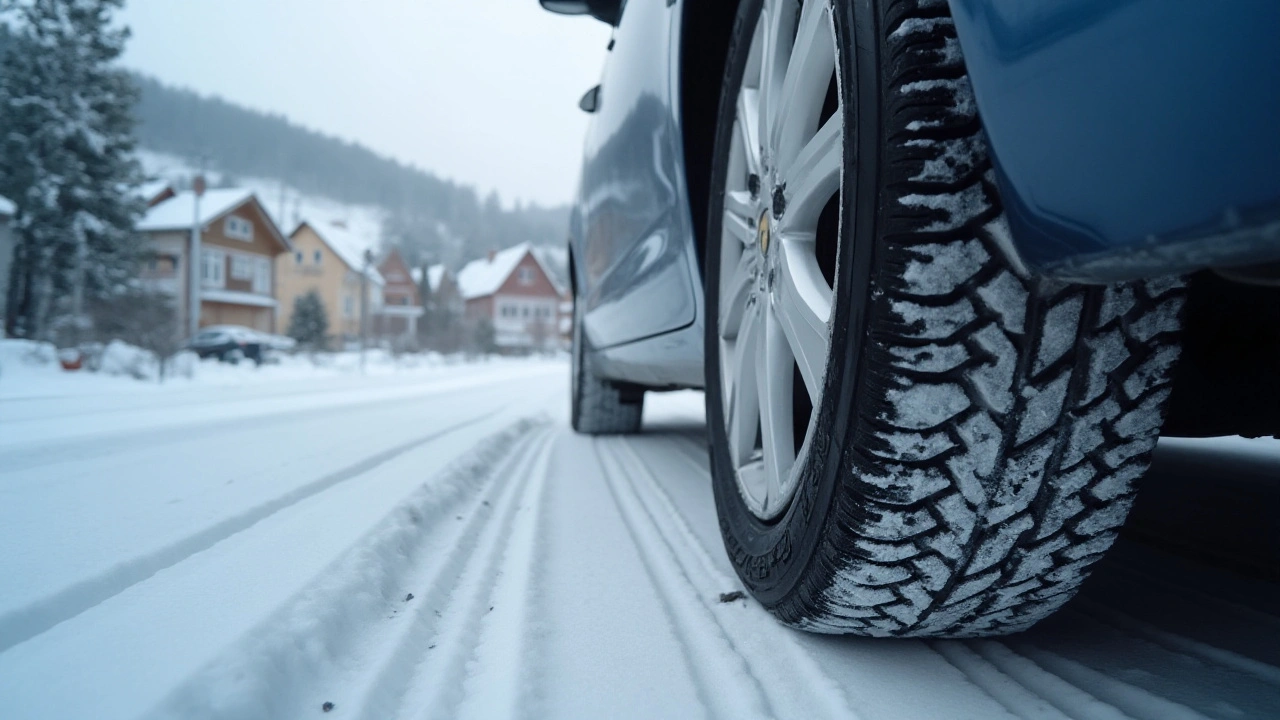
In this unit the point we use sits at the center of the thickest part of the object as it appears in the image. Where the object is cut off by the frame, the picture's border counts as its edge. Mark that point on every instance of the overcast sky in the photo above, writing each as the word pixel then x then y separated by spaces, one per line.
pixel 483 92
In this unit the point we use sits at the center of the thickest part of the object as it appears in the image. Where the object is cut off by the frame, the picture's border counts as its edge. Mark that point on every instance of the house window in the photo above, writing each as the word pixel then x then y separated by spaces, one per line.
pixel 242 267
pixel 213 267
pixel 348 306
pixel 297 257
pixel 262 276
pixel 237 228
pixel 317 257
pixel 525 276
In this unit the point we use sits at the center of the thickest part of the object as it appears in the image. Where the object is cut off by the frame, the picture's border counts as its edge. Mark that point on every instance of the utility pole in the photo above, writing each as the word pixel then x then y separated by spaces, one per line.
pixel 196 263
pixel 364 305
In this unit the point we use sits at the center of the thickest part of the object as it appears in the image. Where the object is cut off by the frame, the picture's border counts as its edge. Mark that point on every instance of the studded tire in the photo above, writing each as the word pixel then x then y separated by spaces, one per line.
pixel 980 431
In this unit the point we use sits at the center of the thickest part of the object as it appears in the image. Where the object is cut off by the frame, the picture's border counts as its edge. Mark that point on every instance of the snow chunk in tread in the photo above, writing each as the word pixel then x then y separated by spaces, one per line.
pixel 940 268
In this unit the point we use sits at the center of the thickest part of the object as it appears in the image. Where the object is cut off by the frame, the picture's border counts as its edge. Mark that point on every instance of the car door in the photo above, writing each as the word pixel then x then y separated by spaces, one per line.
pixel 632 251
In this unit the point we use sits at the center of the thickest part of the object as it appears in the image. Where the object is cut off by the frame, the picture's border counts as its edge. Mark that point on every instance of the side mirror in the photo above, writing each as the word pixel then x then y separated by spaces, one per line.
pixel 591 101
pixel 609 11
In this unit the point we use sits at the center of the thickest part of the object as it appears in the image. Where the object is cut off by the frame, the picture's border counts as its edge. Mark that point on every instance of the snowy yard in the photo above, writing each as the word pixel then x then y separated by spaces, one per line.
pixel 430 540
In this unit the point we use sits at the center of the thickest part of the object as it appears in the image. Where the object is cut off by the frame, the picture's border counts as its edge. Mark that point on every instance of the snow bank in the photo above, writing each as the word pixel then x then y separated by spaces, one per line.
pixel 30 369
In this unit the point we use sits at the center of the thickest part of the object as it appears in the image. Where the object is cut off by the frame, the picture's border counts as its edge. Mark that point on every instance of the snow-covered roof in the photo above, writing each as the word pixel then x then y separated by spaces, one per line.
pixel 435 274
pixel 482 277
pixel 151 190
pixel 555 263
pixel 178 212
pixel 6 206
pixel 348 246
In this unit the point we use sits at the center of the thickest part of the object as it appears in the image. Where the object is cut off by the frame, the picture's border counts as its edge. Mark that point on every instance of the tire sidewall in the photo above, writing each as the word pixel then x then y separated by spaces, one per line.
pixel 773 557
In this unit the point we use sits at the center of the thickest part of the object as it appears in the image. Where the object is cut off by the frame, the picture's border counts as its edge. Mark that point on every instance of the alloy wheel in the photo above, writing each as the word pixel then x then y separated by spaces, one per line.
pixel 778 248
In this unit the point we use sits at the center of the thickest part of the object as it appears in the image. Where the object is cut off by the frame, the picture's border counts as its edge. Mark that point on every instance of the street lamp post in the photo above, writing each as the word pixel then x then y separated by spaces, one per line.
pixel 196 269
pixel 364 304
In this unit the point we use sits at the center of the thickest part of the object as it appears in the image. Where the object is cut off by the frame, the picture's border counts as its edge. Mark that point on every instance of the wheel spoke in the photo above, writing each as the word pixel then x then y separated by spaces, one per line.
pixel 739 203
pixel 736 228
pixel 754 480
pixel 802 301
pixel 804 87
pixel 735 289
pixel 778 19
pixel 814 177
pixel 747 127
pixel 773 378
pixel 744 401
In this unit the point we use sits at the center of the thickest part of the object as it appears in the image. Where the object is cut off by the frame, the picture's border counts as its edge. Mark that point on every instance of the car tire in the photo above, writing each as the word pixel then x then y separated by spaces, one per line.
pixel 233 356
pixel 973 440
pixel 599 406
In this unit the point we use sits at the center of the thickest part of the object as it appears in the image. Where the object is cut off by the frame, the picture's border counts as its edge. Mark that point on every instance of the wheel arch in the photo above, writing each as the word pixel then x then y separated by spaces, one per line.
pixel 705 29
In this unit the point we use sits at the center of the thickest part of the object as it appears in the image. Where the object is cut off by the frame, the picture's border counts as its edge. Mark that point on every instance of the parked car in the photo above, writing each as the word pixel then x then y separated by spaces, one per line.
pixel 230 343
pixel 934 264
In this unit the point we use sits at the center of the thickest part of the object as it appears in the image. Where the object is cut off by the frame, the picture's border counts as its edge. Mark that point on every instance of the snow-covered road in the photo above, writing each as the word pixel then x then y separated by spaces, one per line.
pixel 443 546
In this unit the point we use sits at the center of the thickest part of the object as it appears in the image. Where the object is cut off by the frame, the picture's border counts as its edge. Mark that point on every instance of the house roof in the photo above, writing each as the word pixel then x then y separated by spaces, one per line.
pixel 555 263
pixel 178 212
pixel 482 277
pixel 6 206
pixel 152 189
pixel 435 274
pixel 348 246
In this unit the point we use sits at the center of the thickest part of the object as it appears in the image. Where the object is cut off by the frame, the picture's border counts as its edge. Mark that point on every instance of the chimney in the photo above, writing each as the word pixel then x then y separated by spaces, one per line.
pixel 339 224
pixel 493 254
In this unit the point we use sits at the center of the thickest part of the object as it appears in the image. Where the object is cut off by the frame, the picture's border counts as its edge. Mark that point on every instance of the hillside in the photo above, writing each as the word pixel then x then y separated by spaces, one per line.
pixel 426 216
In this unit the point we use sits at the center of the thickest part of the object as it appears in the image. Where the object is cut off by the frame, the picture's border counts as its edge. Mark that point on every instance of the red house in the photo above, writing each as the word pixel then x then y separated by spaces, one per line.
pixel 401 304
pixel 517 293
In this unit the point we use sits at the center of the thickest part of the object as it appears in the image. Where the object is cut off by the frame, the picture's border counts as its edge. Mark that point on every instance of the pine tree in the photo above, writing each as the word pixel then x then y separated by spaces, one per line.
pixel 309 323
pixel 66 159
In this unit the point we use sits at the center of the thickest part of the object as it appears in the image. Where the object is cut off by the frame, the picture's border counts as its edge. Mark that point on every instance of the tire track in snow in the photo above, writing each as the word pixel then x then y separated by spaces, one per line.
pixel 1176 642
pixel 26 622
pixel 726 674
pixel 769 648
pixel 298 657
pixel 1005 690
pixel 1134 701
pixel 442 680
pixel 721 678
pixel 500 664
pixel 1058 692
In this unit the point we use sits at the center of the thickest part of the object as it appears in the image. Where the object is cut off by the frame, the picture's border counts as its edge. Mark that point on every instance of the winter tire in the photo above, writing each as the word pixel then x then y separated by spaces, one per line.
pixel 599 406
pixel 909 435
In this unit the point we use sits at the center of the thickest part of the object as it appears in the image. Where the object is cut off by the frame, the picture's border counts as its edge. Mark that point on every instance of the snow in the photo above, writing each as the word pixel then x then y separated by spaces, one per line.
pixel 431 540
pixel 178 212
pixel 435 275
pixel 349 246
pixel 7 207
pixel 238 297
pixel 151 189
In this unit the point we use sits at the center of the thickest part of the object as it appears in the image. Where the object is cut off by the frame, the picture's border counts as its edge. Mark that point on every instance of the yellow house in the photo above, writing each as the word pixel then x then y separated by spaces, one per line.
pixel 329 259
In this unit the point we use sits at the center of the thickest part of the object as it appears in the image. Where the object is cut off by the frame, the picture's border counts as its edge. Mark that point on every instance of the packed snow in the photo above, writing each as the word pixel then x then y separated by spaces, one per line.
pixel 427 538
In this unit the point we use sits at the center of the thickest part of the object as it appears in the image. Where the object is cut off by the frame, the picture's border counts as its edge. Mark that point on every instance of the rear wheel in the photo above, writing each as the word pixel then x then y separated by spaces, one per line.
pixel 599 406
pixel 909 435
